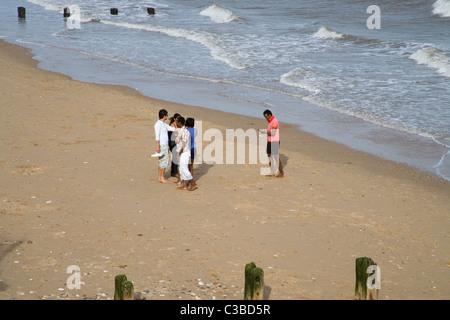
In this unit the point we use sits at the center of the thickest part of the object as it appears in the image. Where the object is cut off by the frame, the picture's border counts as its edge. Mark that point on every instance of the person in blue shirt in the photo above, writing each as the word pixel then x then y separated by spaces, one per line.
pixel 190 123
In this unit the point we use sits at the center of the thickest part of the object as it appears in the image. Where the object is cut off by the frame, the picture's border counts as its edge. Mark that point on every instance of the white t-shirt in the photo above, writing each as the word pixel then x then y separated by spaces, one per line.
pixel 161 132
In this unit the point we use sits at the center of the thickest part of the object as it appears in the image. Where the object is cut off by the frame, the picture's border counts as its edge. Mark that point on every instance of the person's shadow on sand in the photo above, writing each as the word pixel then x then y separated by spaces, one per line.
pixel 4 250
pixel 201 169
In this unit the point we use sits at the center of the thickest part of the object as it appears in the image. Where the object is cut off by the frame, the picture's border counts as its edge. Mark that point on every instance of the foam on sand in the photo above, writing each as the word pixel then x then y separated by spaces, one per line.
pixel 300 78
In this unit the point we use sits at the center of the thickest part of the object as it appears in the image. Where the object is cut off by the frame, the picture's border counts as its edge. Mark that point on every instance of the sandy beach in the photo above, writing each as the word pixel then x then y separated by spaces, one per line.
pixel 78 187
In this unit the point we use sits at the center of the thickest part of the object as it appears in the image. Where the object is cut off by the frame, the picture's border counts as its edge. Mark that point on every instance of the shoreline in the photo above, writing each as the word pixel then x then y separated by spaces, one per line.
pixel 290 128
pixel 99 141
pixel 419 152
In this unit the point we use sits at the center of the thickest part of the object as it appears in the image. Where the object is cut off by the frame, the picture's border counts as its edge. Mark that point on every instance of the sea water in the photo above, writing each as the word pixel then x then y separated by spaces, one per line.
pixel 318 64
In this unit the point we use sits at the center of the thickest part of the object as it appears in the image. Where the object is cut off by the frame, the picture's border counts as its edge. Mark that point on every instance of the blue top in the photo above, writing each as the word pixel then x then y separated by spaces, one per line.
pixel 193 132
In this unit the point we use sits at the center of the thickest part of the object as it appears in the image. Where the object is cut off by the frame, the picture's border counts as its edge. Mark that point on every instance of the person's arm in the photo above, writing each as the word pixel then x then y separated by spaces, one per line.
pixel 179 145
pixel 269 133
pixel 157 137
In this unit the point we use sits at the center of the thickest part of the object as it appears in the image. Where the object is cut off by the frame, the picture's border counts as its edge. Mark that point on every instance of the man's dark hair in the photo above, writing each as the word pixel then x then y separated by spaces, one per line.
pixel 190 122
pixel 268 112
pixel 181 120
pixel 163 113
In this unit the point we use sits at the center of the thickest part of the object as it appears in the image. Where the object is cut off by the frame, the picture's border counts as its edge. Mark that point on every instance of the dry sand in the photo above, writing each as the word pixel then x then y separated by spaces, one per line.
pixel 78 187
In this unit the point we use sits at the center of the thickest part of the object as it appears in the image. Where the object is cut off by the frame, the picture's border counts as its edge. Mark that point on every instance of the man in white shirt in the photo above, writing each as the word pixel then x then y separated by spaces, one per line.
pixel 162 144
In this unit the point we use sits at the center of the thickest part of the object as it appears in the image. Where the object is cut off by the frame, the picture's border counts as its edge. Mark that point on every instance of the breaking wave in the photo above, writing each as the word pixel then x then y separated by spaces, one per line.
pixel 442 8
pixel 433 57
pixel 327 33
pixel 219 14
pixel 206 39
pixel 300 78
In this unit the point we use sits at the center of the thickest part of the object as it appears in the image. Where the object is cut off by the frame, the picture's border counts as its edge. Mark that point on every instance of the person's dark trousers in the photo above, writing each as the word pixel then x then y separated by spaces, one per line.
pixel 174 169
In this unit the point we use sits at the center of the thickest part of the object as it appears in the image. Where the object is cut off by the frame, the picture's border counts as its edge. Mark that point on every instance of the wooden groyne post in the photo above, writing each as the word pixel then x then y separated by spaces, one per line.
pixel 21 12
pixel 114 11
pixel 124 289
pixel 366 271
pixel 151 11
pixel 254 282
pixel 66 13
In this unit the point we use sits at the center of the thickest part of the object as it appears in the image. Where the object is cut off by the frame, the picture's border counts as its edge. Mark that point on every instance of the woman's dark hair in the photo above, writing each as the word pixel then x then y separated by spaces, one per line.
pixel 172 119
pixel 190 122
pixel 181 120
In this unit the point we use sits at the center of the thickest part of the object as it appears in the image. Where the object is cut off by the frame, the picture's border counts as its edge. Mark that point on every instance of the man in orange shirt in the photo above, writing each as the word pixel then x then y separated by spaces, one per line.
pixel 273 144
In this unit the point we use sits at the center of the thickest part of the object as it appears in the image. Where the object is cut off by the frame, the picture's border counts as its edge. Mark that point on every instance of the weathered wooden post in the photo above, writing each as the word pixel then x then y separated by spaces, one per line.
pixel 66 13
pixel 124 289
pixel 151 11
pixel 128 290
pixel 21 12
pixel 114 11
pixel 118 292
pixel 254 282
pixel 364 265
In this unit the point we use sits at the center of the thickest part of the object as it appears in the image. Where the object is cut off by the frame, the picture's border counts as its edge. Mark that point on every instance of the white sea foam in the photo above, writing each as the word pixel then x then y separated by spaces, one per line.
pixel 206 39
pixel 300 78
pixel 433 57
pixel 48 4
pixel 219 14
pixel 442 167
pixel 327 33
pixel 59 6
pixel 442 8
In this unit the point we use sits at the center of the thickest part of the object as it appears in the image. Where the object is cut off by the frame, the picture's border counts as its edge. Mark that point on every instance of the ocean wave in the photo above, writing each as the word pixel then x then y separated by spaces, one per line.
pixel 48 4
pixel 374 119
pixel 300 78
pixel 60 5
pixel 433 57
pixel 90 9
pixel 442 8
pixel 327 33
pixel 204 38
pixel 219 14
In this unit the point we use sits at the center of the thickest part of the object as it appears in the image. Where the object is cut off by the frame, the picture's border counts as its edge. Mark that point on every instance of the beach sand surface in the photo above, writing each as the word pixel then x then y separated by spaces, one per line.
pixel 79 188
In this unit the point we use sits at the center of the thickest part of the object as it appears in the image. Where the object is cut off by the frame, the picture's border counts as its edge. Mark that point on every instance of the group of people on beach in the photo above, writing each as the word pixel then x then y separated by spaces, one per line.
pixel 178 138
